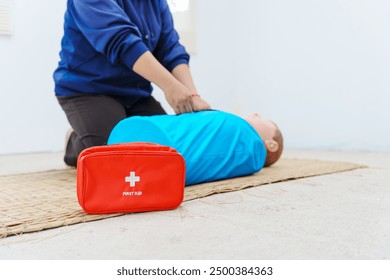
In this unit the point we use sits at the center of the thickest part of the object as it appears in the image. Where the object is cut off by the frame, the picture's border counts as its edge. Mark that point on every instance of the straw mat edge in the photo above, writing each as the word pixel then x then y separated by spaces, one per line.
pixel 33 202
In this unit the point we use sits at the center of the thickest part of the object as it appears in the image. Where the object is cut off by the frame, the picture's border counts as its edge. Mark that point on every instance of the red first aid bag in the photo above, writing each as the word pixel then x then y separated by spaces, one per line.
pixel 133 177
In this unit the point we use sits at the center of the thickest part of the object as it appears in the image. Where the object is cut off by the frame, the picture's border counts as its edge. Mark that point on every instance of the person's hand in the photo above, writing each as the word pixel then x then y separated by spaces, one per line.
pixel 200 104
pixel 180 99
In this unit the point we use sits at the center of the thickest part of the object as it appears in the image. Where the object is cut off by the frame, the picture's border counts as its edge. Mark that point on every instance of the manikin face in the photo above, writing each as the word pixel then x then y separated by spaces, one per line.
pixel 266 129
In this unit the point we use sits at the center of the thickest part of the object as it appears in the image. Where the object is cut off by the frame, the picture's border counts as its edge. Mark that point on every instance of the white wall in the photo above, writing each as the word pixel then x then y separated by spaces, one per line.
pixel 318 68
pixel 30 118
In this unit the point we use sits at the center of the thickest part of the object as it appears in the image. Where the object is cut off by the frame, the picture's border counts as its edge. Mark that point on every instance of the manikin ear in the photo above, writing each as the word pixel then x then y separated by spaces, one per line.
pixel 271 145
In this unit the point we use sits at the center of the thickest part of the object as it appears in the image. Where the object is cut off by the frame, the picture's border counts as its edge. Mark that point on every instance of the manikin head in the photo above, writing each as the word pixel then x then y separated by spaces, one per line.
pixel 271 136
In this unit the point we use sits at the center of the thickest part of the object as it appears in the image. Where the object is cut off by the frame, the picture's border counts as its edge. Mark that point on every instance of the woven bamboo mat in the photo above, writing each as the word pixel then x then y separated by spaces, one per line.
pixel 36 201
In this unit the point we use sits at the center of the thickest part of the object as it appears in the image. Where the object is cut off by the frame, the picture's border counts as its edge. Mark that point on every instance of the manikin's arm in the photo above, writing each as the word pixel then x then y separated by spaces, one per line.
pixel 178 96
pixel 183 74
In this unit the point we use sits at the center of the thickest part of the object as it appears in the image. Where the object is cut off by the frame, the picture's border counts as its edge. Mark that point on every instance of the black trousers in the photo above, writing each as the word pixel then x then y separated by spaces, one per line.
pixel 92 118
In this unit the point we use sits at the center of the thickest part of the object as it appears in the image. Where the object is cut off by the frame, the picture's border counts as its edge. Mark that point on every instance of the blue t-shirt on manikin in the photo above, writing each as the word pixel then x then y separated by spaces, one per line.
pixel 215 145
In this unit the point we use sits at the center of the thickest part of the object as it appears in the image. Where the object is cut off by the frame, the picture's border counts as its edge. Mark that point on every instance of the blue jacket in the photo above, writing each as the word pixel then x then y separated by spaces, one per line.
pixel 215 145
pixel 104 38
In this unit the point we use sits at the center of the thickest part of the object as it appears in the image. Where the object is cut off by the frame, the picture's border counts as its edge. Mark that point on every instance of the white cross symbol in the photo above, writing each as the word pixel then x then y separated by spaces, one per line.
pixel 132 179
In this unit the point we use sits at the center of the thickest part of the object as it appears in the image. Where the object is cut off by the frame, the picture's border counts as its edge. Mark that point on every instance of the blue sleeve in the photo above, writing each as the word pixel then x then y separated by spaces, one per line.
pixel 109 30
pixel 169 51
